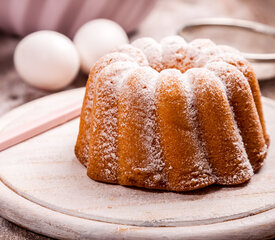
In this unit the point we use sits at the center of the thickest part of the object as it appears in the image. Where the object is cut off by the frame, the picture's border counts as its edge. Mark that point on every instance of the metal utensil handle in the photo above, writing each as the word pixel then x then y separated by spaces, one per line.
pixel 241 24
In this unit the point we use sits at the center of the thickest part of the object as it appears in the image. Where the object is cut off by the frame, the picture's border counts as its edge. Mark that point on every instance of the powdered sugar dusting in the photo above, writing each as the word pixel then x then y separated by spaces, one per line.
pixel 134 53
pixel 218 55
pixel 176 53
pixel 139 146
pixel 243 107
pixel 103 63
pixel 181 146
pixel 152 50
pixel 103 144
pixel 173 52
pixel 219 131
pixel 83 140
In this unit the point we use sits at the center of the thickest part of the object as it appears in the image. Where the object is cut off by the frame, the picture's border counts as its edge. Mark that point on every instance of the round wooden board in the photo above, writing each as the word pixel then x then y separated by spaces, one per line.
pixel 45 189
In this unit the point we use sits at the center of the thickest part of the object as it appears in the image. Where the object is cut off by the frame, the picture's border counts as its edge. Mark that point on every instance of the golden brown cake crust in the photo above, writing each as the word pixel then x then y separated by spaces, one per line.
pixel 243 106
pixel 82 145
pixel 218 130
pixel 139 142
pixel 186 164
pixel 172 116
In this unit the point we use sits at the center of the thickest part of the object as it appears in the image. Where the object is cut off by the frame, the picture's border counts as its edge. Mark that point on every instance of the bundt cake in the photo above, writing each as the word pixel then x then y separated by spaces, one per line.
pixel 172 115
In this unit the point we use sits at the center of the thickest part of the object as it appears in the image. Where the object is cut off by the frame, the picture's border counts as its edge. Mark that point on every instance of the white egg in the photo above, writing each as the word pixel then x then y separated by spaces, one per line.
pixel 47 60
pixel 96 38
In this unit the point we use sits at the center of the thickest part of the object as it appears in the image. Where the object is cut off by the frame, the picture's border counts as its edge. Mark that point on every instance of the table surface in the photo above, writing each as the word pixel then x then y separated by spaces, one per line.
pixel 165 19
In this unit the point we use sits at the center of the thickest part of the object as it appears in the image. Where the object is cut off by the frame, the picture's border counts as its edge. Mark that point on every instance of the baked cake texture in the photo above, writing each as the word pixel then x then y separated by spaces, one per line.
pixel 172 115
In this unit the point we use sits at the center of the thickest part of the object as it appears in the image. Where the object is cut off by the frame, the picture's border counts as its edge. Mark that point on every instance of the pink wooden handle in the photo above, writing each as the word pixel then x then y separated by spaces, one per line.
pixel 33 128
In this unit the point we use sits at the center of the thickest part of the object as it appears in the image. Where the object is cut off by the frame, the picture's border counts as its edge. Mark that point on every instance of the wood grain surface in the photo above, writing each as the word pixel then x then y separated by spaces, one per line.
pixel 44 188
pixel 165 19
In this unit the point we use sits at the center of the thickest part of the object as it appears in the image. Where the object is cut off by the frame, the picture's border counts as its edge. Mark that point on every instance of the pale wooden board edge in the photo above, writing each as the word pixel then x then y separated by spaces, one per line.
pixel 58 225
pixel 55 224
